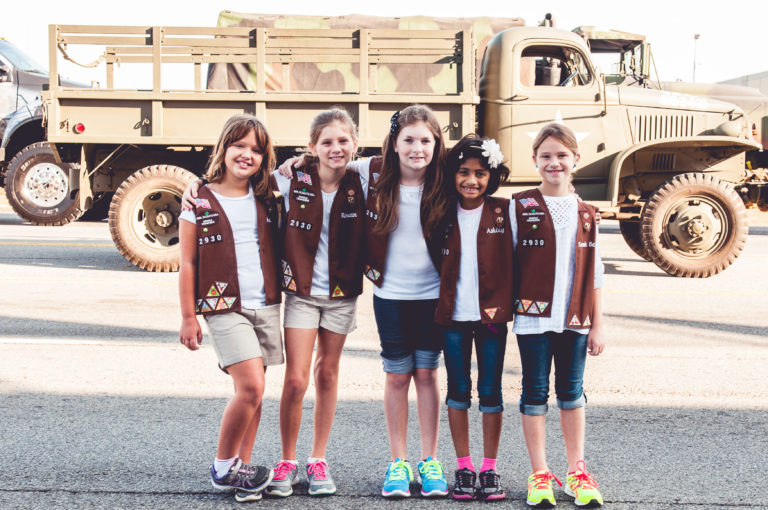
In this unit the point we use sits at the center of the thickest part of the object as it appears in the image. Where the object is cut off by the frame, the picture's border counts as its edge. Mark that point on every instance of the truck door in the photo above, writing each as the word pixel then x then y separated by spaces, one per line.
pixel 555 82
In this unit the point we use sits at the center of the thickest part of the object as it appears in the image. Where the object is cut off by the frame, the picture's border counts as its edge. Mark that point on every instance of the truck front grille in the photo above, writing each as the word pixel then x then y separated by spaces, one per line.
pixel 653 127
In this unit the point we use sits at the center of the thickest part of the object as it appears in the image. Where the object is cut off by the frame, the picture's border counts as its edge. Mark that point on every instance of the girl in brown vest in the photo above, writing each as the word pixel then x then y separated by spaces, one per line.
pixel 228 273
pixel 476 302
pixel 559 311
pixel 322 277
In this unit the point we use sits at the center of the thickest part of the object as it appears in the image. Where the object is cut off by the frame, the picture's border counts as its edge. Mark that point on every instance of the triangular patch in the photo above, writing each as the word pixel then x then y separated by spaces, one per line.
pixel 198 305
pixel 542 305
pixel 520 307
pixel 221 286
pixel 292 286
pixel 210 304
pixel 213 292
pixel 574 321
pixel 337 292
pixel 526 304
pixel 221 305
pixel 230 301
pixel 587 322
pixel 286 280
pixel 491 312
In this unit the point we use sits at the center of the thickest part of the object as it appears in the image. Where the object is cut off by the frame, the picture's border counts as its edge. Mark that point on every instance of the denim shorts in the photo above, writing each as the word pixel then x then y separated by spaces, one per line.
pixel 490 342
pixel 408 335
pixel 569 351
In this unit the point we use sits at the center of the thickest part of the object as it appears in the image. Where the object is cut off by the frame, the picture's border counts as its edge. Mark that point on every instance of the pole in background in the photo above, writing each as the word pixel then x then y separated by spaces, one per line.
pixel 695 43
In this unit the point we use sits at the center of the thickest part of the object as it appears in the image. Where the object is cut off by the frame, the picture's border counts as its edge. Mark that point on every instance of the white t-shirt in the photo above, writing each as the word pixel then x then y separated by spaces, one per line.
pixel 467 303
pixel 241 213
pixel 408 273
pixel 564 216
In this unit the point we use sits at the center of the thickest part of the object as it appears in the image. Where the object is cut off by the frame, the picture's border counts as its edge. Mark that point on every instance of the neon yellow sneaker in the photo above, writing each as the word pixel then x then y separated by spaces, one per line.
pixel 582 487
pixel 540 493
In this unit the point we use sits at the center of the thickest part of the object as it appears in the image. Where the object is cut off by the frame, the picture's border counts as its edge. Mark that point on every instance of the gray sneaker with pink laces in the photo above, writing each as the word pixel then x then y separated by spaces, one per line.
pixel 320 481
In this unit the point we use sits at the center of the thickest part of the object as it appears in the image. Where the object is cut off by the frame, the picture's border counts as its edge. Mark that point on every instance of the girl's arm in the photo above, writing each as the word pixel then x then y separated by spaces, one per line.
pixel 595 343
pixel 190 333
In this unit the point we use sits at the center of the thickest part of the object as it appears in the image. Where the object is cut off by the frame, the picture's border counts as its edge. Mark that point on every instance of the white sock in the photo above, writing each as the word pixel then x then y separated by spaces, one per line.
pixel 222 466
pixel 312 460
pixel 294 462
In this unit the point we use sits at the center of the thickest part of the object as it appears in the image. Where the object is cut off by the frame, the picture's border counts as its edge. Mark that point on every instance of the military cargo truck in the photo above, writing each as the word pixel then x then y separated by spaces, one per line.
pixel 664 161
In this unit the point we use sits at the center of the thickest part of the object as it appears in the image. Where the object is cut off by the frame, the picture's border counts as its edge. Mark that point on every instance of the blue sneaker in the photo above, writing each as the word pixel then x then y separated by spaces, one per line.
pixel 398 479
pixel 433 483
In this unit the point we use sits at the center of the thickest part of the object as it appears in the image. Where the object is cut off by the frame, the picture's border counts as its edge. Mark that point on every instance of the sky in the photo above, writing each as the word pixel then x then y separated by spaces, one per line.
pixel 731 43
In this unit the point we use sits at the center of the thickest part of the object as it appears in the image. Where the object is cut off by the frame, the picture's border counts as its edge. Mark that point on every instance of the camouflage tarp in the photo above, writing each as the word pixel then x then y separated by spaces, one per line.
pixel 416 78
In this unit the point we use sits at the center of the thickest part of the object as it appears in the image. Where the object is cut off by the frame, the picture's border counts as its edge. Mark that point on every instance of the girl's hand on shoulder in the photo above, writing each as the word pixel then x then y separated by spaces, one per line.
pixel 190 334
pixel 189 196
pixel 286 169
pixel 595 343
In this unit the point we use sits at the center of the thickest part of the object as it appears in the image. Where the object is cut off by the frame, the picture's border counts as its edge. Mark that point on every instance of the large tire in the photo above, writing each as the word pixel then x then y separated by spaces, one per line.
pixel 37 187
pixel 144 216
pixel 694 225
pixel 630 231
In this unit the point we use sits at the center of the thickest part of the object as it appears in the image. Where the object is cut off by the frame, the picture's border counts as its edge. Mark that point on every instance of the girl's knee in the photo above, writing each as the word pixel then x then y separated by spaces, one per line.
pixel 296 385
pixel 399 381
pixel 425 376
pixel 326 379
pixel 251 392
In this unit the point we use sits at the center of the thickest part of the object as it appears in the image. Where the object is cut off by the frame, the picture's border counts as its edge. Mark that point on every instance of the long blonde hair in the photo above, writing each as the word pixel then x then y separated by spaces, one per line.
pixel 433 199
pixel 235 128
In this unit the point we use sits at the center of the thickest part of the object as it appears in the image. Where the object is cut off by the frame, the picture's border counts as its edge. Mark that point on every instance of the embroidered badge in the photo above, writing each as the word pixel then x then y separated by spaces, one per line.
pixel 230 301
pixel 287 269
pixel 350 192
pixel 491 312
pixel 587 322
pixel 520 308
pixel 587 226
pixel 205 307
pixel 542 305
pixel 497 210
pixel 213 292
pixel 221 305
pixel 198 305
pixel 211 302
pixel 301 225
pixel 500 220
pixel 351 199
pixel 292 286
pixel 526 304
pixel 337 292
pixel 213 238
pixel 302 177
pixel 286 280
pixel 375 177
pixel 529 202
pixel 574 321
pixel 586 216
pixel 221 286
pixel 371 273
pixel 203 203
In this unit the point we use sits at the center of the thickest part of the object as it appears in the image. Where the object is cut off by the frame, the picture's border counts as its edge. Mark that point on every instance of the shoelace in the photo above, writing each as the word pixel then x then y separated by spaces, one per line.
pixel 433 469
pixel 318 469
pixel 465 478
pixel 541 480
pixel 398 471
pixel 282 469
pixel 489 479
pixel 582 477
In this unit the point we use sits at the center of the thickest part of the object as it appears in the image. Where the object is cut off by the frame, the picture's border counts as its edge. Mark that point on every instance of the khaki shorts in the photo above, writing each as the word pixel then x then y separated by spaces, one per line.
pixel 313 312
pixel 247 334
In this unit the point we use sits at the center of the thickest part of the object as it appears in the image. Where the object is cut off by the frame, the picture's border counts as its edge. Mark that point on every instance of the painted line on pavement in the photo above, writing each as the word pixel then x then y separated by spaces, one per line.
pixel 49 243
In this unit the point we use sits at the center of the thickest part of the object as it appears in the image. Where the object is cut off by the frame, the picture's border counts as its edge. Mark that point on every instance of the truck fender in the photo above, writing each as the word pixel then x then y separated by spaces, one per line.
pixel 732 146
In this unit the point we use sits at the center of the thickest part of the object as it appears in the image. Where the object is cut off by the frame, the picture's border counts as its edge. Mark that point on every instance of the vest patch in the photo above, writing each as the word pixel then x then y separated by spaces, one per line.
pixel 529 202
pixel 491 312
pixel 213 292
pixel 574 321
pixel 349 215
pixel 533 242
pixel 541 305
pixel 221 286
pixel 287 269
pixel 202 203
pixel 209 239
pixel 337 292
pixel 526 304
pixel 371 273
pixel 302 177
pixel 495 230
pixel 587 322
pixel 292 285
pixel 301 225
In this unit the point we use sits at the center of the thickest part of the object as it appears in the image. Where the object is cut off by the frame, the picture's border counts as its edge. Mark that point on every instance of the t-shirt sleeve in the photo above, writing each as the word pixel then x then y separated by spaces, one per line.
pixel 188 215
pixel 362 167
pixel 283 186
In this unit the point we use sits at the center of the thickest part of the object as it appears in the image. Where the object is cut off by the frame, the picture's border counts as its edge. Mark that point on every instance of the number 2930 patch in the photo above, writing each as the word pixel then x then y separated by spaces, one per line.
pixel 533 242
pixel 209 239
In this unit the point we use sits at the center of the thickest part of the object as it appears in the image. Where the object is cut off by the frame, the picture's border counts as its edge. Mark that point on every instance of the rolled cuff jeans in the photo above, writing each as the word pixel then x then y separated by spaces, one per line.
pixel 569 351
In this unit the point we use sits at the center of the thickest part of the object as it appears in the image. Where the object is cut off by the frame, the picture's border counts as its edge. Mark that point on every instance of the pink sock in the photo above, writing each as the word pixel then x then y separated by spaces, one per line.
pixel 488 464
pixel 465 462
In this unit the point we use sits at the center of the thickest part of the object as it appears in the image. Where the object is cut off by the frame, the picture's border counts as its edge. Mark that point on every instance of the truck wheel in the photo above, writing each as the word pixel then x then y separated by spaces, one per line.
pixel 694 225
pixel 630 230
pixel 37 187
pixel 144 216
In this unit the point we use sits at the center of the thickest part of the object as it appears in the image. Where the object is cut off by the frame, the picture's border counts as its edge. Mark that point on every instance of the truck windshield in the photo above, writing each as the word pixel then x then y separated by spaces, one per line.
pixel 19 60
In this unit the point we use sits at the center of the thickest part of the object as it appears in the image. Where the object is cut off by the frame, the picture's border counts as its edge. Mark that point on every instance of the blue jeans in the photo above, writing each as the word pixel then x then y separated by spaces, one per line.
pixel 569 350
pixel 490 343
pixel 408 335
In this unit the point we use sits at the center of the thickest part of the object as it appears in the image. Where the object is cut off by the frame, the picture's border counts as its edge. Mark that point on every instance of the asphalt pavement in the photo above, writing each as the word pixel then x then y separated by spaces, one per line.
pixel 101 407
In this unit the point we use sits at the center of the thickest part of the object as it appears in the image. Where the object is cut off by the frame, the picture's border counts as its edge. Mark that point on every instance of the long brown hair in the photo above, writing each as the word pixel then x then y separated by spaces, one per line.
pixel 235 128
pixel 323 119
pixel 433 200
pixel 559 132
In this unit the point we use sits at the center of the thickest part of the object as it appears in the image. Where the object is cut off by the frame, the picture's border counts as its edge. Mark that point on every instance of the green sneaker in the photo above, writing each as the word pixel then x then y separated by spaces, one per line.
pixel 582 487
pixel 398 480
pixel 540 493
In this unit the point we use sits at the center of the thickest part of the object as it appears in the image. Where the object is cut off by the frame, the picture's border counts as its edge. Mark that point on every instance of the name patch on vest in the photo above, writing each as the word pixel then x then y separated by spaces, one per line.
pixel 590 244
pixel 207 218
pixel 533 242
pixel 494 230
pixel 301 225
pixel 349 215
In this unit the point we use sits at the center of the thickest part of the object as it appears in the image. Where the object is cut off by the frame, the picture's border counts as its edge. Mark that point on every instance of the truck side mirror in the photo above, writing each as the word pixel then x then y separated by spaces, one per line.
pixel 645 61
pixel 5 73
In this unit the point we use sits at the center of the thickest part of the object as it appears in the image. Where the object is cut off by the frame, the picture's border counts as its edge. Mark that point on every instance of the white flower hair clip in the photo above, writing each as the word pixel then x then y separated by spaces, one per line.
pixel 492 151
